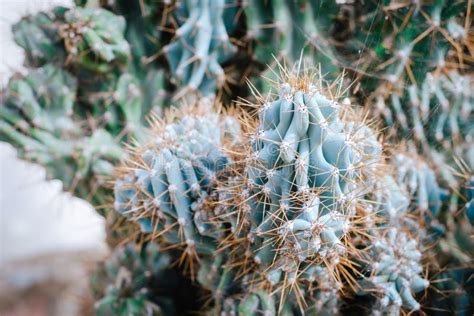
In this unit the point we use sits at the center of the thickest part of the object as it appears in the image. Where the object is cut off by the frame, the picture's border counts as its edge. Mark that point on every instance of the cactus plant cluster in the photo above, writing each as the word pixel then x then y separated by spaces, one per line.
pixel 338 179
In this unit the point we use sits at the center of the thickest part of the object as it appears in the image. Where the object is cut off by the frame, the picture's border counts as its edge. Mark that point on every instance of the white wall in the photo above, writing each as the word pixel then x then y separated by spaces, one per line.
pixel 36 218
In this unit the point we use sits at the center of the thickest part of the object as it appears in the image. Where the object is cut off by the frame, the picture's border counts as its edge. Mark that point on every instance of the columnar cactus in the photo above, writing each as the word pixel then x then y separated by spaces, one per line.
pixel 167 181
pixel 398 44
pixel 419 181
pixel 439 112
pixel 308 168
pixel 289 29
pixel 201 45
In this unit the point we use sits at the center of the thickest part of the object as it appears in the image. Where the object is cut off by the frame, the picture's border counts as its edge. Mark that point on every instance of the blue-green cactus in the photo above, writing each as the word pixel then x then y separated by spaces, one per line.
pixel 419 181
pixel 201 45
pixel 290 29
pixel 94 38
pixel 308 168
pixel 470 200
pixel 135 281
pixel 439 112
pixel 452 293
pixel 320 297
pixel 38 117
pixel 395 272
pixel 169 181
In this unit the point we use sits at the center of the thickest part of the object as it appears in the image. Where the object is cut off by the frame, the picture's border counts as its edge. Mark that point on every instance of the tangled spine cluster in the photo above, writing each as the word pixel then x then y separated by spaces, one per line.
pixel 167 182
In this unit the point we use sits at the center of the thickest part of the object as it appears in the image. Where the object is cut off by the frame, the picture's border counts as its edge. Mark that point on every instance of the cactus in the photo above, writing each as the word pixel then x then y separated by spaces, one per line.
pixel 419 181
pixel 38 117
pixel 306 173
pixel 321 298
pixel 395 44
pixel 287 29
pixel 201 45
pixel 298 209
pixel 395 273
pixel 138 280
pixel 168 183
pixel 285 32
pixel 67 114
pixel 446 101
pixel 93 38
pixel 452 293
pixel 38 36
pixel 130 281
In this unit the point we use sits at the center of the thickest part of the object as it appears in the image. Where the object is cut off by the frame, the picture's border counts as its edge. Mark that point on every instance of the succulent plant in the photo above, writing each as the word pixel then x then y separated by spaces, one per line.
pixel 74 107
pixel 419 181
pixel 395 276
pixel 201 45
pixel 169 181
pixel 135 282
pixel 307 170
pixel 390 44
pixel 93 38
pixel 298 208
pixel 452 293
pixel 289 29
pixel 38 36
pixel 442 100
pixel 38 117
pixel 140 280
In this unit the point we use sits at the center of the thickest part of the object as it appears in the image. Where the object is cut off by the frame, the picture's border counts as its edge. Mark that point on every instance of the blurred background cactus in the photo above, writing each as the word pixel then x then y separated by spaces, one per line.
pixel 271 157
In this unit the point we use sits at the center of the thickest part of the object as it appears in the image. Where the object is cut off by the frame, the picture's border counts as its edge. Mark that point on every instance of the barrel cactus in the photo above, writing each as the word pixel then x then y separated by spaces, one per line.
pixel 167 182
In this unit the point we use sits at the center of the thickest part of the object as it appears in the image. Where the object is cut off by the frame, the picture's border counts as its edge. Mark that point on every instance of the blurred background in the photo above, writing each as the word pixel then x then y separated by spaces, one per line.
pixel 49 240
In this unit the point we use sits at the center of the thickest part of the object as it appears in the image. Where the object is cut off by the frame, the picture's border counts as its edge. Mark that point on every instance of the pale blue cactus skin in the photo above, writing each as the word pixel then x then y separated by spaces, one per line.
pixel 395 274
pixel 307 170
pixel 200 46
pixel 419 181
pixel 180 167
pixel 394 269
pixel 439 112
